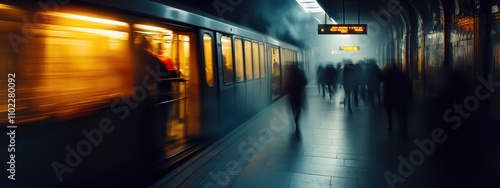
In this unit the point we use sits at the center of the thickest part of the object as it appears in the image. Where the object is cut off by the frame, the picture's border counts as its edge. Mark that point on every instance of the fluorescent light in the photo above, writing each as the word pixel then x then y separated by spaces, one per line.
pixel 87 18
pixel 4 6
pixel 311 6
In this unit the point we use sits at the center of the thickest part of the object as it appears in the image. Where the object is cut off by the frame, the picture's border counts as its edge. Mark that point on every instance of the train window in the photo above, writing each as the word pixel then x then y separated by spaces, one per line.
pixel 227 59
pixel 238 55
pixel 284 57
pixel 255 49
pixel 74 65
pixel 182 57
pixel 276 71
pixel 262 61
pixel 208 53
pixel 248 60
pixel 284 62
pixel 170 47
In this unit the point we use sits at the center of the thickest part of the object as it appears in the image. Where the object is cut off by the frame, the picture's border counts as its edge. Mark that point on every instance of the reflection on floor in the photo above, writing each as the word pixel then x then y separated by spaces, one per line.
pixel 342 149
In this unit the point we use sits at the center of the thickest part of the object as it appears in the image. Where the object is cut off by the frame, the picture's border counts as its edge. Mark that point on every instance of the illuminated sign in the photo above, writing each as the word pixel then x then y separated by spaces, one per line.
pixel 349 48
pixel 342 29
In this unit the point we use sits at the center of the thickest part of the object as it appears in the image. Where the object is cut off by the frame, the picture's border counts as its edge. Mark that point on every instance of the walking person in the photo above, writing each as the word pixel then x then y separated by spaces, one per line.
pixel 397 96
pixel 153 128
pixel 296 83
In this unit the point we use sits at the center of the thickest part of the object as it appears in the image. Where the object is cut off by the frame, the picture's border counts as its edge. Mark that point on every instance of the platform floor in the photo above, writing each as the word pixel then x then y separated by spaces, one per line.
pixel 338 148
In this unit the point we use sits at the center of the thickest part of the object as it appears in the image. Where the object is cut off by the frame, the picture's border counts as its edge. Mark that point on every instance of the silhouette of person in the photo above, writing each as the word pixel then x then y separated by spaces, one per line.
pixel 150 71
pixel 320 79
pixel 339 75
pixel 373 76
pixel 359 82
pixel 295 86
pixel 330 77
pixel 276 83
pixel 228 70
pixel 397 91
pixel 349 82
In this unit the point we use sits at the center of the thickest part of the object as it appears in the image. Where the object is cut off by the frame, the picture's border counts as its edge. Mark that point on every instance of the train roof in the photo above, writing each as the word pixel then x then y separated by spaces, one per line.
pixel 186 15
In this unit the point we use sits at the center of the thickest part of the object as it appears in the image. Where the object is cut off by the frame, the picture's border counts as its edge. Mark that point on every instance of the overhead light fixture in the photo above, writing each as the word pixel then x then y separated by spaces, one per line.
pixel 313 7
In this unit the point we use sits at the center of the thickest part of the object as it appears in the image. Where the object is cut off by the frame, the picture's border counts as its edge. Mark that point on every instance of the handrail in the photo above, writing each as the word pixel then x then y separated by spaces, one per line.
pixel 175 79
pixel 173 100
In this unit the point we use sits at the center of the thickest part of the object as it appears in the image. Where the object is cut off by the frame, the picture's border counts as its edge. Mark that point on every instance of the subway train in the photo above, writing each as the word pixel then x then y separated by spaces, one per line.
pixel 76 113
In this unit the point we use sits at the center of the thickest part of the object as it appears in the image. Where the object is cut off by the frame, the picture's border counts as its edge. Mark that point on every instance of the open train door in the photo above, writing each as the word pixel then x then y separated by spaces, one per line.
pixel 210 85
pixel 179 98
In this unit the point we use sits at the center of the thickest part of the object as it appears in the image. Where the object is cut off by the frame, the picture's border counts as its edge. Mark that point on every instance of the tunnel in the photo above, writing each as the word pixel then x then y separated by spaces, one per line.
pixel 239 93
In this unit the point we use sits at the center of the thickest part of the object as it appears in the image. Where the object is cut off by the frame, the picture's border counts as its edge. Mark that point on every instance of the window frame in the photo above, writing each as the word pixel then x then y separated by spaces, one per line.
pixel 262 58
pixel 212 59
pixel 256 60
pixel 236 60
pixel 247 57
pixel 231 56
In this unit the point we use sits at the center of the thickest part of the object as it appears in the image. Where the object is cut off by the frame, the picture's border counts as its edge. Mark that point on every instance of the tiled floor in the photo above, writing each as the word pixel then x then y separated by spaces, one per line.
pixel 336 149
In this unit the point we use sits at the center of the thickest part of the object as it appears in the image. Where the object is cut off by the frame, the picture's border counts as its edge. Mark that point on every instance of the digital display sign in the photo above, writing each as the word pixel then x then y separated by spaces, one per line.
pixel 342 29
pixel 349 48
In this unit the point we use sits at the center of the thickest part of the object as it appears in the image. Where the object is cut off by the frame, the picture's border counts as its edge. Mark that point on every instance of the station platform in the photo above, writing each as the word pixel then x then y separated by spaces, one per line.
pixel 338 148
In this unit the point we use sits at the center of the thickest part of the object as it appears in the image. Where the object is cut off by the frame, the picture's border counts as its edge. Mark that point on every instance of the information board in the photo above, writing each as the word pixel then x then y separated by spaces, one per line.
pixel 342 29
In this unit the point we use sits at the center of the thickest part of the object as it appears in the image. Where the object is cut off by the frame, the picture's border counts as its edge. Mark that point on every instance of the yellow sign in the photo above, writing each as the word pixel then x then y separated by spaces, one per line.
pixel 349 48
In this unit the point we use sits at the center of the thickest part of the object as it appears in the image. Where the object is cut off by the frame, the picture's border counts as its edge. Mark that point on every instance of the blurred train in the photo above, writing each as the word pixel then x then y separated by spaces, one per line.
pixel 75 106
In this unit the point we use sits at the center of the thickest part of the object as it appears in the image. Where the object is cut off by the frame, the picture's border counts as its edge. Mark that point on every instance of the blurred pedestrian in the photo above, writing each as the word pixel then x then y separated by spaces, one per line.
pixel 320 79
pixel 397 95
pixel 374 74
pixel 349 82
pixel 296 82
pixel 150 71
pixel 330 78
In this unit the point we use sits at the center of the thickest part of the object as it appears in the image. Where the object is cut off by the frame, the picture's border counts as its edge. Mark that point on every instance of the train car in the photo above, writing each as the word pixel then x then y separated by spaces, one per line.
pixel 87 111
pixel 495 62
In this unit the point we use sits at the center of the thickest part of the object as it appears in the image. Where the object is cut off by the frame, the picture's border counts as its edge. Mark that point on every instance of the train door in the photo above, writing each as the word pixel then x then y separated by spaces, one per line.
pixel 495 66
pixel 250 80
pixel 274 58
pixel 210 84
pixel 257 89
pixel 284 68
pixel 178 103
pixel 240 84
pixel 226 83
pixel 264 83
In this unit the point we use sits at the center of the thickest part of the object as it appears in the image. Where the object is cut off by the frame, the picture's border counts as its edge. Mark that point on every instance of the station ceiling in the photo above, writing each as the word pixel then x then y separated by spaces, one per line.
pixel 265 14
pixel 337 8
